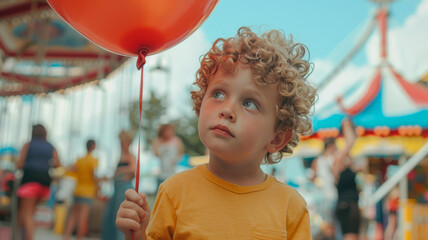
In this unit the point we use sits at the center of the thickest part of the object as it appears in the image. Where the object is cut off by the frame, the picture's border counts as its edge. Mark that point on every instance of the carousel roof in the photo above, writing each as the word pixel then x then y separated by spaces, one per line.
pixel 387 101
pixel 41 53
pixel 381 102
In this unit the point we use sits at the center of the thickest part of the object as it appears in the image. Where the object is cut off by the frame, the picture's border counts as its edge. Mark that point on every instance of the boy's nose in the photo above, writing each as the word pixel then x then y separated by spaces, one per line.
pixel 227 114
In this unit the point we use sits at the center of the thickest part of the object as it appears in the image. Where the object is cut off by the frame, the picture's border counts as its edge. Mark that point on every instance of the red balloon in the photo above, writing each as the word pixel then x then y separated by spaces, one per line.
pixel 125 27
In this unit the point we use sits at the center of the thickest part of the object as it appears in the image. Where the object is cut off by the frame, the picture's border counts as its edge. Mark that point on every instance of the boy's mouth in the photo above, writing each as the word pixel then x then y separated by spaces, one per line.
pixel 223 130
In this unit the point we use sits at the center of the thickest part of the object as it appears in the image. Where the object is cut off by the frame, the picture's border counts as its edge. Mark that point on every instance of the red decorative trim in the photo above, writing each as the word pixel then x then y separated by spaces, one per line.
pixel 21 8
pixel 382 17
pixel 90 76
pixel 418 93
pixel 22 78
pixel 14 93
pixel 61 54
pixel 369 132
pixel 371 93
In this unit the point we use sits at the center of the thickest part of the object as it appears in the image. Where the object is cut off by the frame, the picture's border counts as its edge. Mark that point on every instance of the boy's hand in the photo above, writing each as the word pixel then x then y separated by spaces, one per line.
pixel 133 215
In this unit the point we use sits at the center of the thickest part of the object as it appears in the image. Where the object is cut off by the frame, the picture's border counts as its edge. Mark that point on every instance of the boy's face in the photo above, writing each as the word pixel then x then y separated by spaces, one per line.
pixel 237 117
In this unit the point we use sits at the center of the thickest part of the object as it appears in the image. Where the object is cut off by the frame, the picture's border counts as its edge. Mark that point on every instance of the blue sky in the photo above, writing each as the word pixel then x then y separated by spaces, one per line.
pixel 321 25
pixel 329 28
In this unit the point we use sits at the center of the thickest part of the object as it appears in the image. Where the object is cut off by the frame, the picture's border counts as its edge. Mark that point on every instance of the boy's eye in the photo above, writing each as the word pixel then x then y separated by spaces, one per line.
pixel 218 95
pixel 250 104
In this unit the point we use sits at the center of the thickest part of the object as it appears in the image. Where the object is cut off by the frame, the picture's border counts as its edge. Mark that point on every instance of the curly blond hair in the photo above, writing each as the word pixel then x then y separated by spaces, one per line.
pixel 126 137
pixel 273 59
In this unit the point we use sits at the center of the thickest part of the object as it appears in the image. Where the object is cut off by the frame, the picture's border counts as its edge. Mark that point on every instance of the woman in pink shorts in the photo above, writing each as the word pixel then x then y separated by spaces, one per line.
pixel 35 159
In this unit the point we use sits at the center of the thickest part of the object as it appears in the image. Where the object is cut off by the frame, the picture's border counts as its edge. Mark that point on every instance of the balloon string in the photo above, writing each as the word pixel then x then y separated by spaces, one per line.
pixel 142 53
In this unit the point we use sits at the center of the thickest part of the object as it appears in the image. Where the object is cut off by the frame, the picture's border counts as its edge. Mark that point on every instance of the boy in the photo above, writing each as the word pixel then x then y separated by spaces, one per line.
pixel 252 104
pixel 84 193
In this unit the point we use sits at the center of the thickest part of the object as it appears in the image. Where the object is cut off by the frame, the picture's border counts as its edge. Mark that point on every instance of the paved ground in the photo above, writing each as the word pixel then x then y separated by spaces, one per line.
pixel 41 234
pixel 47 234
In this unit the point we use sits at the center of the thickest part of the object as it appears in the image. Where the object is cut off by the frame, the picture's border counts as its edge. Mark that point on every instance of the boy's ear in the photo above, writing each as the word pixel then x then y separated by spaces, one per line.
pixel 281 139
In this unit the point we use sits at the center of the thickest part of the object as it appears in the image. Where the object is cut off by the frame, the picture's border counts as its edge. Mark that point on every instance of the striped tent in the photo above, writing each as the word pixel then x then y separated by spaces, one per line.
pixel 385 108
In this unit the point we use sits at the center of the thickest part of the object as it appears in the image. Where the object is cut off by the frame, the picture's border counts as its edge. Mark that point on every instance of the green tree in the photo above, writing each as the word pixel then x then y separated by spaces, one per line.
pixel 187 129
pixel 153 109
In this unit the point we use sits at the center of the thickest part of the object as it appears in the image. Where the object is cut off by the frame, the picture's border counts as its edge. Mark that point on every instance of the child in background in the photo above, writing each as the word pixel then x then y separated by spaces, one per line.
pixel 84 193
pixel 169 149
pixel 125 172
pixel 393 203
pixel 253 102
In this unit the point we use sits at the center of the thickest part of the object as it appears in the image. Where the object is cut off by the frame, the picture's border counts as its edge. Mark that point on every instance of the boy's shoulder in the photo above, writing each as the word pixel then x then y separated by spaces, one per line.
pixel 291 193
pixel 182 177
pixel 182 183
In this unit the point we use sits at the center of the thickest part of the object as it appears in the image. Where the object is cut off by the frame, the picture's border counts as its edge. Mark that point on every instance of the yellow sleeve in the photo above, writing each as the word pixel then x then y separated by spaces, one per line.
pixel 163 220
pixel 300 228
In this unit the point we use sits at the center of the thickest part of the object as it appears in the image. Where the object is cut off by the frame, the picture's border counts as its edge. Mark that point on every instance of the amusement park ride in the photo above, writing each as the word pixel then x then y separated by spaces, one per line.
pixel 390 115
pixel 40 53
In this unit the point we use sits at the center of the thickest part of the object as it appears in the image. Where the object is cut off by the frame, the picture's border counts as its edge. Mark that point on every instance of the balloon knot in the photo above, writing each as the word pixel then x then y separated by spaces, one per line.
pixel 142 53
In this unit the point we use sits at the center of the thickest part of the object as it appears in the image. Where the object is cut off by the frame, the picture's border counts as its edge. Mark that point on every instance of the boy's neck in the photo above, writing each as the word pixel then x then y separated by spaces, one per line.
pixel 238 175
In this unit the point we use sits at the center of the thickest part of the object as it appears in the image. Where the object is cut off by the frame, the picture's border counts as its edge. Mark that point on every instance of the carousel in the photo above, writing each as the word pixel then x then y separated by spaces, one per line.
pixel 390 117
pixel 40 53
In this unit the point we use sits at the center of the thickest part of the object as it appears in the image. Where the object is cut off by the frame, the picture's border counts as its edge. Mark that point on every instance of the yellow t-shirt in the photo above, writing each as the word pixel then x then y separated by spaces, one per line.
pixel 86 185
pixel 195 204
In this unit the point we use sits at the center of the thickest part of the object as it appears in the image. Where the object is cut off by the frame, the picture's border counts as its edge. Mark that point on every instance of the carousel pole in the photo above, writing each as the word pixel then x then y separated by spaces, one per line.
pixel 2 116
pixel 403 188
pixel 53 112
pixel 19 122
pixel 103 122
pixel 7 120
pixel 81 112
pixel 70 127
pixel 102 118
pixel 32 111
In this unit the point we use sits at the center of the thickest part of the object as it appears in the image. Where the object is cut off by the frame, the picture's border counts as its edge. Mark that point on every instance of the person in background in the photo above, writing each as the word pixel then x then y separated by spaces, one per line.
pixel 322 169
pixel 35 159
pixel 84 193
pixel 393 202
pixel 347 209
pixel 368 211
pixel 169 149
pixel 125 172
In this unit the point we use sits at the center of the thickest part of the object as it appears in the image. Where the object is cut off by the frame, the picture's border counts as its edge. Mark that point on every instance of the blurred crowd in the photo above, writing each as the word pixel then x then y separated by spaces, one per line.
pixel 337 189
